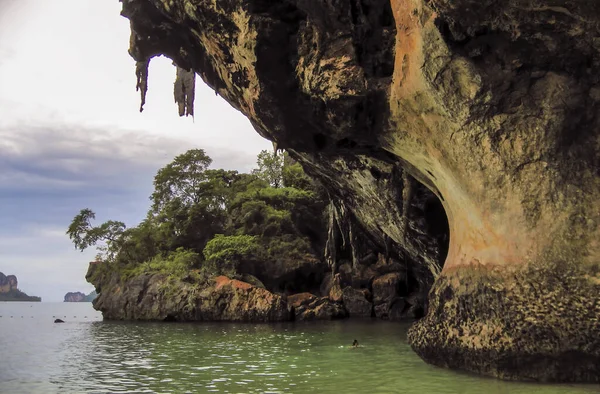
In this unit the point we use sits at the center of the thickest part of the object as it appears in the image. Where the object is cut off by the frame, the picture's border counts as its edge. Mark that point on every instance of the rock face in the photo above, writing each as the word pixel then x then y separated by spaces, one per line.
pixel 79 297
pixel 307 306
pixel 155 297
pixel 9 290
pixel 8 283
pixel 490 109
pixel 356 303
pixel 74 297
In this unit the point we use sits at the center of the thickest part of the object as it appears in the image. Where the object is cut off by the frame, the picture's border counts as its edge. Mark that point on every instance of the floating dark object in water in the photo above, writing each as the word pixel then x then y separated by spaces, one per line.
pixel 59 321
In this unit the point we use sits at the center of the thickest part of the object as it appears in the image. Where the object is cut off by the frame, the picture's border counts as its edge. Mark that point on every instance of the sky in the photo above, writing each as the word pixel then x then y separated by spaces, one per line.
pixel 72 136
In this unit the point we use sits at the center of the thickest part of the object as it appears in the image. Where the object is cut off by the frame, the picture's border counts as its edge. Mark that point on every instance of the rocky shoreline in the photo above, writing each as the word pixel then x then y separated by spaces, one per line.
pixel 160 298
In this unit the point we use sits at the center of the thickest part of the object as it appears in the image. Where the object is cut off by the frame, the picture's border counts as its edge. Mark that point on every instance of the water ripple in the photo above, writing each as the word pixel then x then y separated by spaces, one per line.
pixel 88 355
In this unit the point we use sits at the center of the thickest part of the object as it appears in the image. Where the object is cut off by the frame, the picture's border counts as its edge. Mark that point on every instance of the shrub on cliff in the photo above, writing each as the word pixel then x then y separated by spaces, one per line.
pixel 177 264
pixel 225 254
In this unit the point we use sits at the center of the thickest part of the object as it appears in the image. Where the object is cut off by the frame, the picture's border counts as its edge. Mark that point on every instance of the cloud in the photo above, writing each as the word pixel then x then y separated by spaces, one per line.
pixel 71 136
pixel 73 159
pixel 47 174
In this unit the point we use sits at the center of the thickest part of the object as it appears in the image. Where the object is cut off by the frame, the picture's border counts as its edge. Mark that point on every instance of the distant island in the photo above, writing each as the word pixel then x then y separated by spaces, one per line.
pixel 80 297
pixel 9 290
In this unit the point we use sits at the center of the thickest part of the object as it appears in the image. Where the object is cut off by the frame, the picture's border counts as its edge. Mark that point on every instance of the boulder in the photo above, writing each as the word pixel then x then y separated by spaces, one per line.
pixel 320 309
pixel 385 288
pixel 234 300
pixel 300 299
pixel 385 292
pixel 356 303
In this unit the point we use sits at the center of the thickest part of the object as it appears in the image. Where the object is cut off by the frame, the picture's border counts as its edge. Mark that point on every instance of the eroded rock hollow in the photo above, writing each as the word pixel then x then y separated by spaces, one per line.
pixel 493 106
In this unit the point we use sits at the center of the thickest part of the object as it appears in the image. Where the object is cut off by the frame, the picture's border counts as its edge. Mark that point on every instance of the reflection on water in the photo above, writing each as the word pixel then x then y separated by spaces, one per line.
pixel 88 355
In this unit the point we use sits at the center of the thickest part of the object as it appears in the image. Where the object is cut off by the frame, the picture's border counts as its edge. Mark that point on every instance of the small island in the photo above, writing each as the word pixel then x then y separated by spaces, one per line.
pixel 78 296
pixel 9 290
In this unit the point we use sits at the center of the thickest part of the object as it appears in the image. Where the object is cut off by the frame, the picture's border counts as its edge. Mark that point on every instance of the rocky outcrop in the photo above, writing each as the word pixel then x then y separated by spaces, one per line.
pixel 157 297
pixel 356 302
pixel 490 109
pixel 74 297
pixel 79 297
pixel 9 290
pixel 8 283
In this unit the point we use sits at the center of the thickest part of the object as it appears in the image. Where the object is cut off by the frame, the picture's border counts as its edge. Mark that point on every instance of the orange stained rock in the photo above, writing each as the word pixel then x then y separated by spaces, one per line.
pixel 222 280
pixel 408 46
pixel 296 300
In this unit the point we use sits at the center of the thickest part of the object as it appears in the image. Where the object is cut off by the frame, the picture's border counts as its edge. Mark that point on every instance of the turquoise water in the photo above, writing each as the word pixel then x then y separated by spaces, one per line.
pixel 87 355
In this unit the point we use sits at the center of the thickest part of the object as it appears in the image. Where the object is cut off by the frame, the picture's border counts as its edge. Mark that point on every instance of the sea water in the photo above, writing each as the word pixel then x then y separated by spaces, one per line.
pixel 88 355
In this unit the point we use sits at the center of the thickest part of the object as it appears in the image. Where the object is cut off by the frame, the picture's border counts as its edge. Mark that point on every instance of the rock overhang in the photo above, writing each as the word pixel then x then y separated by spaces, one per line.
pixel 492 105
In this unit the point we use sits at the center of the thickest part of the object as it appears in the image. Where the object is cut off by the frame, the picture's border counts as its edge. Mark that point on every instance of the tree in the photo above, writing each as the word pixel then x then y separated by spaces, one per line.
pixel 293 175
pixel 180 180
pixel 84 235
pixel 270 168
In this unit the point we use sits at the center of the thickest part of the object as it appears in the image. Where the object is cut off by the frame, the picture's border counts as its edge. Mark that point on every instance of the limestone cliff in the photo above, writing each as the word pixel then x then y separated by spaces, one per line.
pixel 78 296
pixel 8 283
pixel 9 290
pixel 491 106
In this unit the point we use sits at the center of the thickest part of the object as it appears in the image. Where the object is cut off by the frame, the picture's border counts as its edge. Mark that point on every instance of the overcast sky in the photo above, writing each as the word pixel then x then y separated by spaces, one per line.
pixel 71 135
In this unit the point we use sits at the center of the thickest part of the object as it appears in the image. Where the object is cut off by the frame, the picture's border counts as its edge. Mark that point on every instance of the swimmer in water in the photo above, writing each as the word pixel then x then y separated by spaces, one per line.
pixel 355 343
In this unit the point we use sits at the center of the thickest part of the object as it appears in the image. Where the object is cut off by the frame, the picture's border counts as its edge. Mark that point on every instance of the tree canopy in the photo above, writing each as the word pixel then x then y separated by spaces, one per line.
pixel 213 220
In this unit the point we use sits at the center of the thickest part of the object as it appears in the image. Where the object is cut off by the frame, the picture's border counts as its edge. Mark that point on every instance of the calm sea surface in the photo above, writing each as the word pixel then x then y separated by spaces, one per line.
pixel 87 355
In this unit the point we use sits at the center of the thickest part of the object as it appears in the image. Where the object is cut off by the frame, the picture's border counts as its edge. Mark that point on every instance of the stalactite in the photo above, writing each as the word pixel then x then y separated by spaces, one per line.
pixel 184 91
pixel 353 246
pixel 141 72
pixel 339 215
pixel 330 244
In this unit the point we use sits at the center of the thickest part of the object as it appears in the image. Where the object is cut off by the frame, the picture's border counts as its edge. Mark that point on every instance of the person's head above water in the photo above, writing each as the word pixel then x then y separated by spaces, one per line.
pixel 355 343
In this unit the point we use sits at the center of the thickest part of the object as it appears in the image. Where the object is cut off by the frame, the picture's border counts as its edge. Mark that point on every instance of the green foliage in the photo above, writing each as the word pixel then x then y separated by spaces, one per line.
pixel 205 222
pixel 176 264
pixel 179 180
pixel 270 168
pixel 289 248
pixel 224 254
pixel 293 175
pixel 18 295
pixel 84 235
